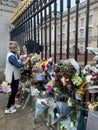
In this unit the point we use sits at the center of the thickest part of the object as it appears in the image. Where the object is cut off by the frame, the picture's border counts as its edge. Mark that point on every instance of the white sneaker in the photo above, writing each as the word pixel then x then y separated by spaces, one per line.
pixel 7 111
pixel 15 106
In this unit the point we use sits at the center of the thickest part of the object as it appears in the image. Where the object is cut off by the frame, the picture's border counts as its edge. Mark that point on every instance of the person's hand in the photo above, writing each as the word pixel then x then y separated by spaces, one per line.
pixel 26 61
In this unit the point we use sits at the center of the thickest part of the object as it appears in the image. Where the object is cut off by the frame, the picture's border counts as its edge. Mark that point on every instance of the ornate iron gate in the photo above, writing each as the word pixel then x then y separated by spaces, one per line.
pixel 38 23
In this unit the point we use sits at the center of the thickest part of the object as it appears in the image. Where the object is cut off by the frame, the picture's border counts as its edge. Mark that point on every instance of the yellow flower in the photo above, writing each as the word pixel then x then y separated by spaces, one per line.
pixel 50 83
pixel 83 84
pixel 34 73
pixel 81 88
pixel 93 105
pixel 69 102
pixel 4 85
pixel 41 64
pixel 80 91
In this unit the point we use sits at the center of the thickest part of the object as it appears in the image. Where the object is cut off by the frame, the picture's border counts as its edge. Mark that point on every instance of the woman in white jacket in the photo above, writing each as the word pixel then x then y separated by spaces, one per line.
pixel 12 74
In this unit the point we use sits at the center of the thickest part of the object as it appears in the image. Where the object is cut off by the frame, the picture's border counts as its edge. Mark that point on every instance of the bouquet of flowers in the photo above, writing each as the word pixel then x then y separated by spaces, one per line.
pixel 25 90
pixel 92 82
pixel 91 73
pixel 67 79
pixel 34 58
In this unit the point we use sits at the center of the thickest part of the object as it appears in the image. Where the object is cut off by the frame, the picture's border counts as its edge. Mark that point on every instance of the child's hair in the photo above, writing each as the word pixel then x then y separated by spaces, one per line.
pixel 13 44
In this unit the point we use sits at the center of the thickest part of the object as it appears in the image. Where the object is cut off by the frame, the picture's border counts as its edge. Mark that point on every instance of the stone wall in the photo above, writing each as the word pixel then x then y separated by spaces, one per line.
pixel 6 12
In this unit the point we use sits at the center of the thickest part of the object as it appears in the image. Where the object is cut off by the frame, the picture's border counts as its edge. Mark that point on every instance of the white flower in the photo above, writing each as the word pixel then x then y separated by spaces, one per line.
pixel 96 65
pixel 96 51
pixel 87 67
pixel 94 69
pixel 63 81
pixel 88 78
pixel 84 71
pixel 37 91
pixel 89 48
pixel 57 114
pixel 95 58
pixel 93 50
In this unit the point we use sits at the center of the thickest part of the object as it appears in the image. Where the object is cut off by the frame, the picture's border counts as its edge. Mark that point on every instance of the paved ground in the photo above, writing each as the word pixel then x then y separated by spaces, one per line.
pixel 23 119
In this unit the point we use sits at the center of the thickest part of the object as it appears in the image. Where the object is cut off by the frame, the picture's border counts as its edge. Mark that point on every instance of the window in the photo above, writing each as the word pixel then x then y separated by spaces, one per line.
pixel 90 33
pixel 74 34
pixel 90 20
pixel 58 29
pixel 81 49
pixel 81 33
pixel 82 22
pixel 74 24
pixel 63 28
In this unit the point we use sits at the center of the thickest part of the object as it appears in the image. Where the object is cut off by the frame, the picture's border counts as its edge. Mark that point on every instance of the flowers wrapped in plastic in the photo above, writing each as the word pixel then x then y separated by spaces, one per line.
pixel 67 79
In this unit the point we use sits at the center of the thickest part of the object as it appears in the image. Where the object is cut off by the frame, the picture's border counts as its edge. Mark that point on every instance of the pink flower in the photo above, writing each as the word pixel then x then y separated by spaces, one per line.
pixel 68 86
pixel 49 88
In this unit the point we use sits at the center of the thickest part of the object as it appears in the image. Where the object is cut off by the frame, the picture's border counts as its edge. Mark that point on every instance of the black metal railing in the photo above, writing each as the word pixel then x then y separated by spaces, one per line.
pixel 39 24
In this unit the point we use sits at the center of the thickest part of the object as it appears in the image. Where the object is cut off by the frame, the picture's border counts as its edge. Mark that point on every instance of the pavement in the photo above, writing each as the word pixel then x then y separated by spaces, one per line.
pixel 22 119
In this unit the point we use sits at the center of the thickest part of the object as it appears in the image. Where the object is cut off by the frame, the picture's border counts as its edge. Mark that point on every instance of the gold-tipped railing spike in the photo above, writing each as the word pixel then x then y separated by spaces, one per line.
pixel 22 7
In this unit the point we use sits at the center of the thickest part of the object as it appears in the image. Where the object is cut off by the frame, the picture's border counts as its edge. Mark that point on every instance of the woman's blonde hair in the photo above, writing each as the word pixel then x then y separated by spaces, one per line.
pixel 13 44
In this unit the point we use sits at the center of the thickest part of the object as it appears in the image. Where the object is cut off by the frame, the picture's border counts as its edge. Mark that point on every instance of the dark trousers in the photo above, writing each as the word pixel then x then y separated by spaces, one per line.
pixel 14 89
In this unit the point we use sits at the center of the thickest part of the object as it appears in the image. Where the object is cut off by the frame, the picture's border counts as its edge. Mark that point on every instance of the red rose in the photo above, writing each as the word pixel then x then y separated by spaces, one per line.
pixel 57 69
